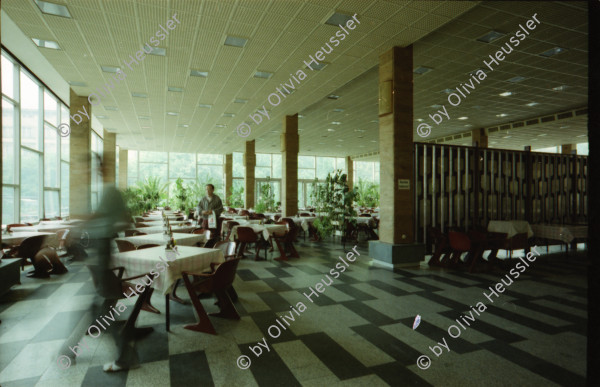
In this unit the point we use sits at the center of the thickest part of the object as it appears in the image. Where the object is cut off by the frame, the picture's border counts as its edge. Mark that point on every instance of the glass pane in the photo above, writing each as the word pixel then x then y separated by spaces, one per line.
pixel 300 195
pixel 132 167
pixel 30 113
pixel 50 157
pixel 277 166
pixel 263 160
pixel 8 202
pixel 325 165
pixel 204 158
pixel 153 170
pixel 30 186
pixel 306 174
pixel 182 165
pixel 8 141
pixel 262 172
pixel 309 189
pixel 306 161
pixel 212 174
pixel 50 109
pixel 153 157
pixel 363 170
pixel 376 175
pixel 51 204
pixel 583 149
pixel 238 165
pixel 64 189
pixel 341 164
pixel 8 82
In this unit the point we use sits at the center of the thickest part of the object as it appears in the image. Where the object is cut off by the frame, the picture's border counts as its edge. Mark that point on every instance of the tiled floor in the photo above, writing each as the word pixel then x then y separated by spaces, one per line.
pixel 357 332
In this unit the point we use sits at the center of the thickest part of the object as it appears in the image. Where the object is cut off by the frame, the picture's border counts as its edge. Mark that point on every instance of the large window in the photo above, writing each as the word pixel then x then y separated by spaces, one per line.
pixel 311 167
pixel 366 170
pixel 97 152
pixel 267 171
pixel 35 159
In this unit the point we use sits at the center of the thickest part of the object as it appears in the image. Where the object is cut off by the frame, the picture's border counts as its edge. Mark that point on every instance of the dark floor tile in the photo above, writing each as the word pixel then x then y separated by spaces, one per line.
pixel 308 270
pixel 547 370
pixel 269 369
pixel 60 327
pixel 551 312
pixel 81 276
pixel 277 285
pixel 564 301
pixel 247 275
pixel 437 298
pixel 396 374
pixel 190 369
pixel 278 272
pixel 264 320
pixel 353 292
pixel 388 288
pixel 418 284
pixel 448 281
pixel 274 301
pixel 29 382
pixel 486 328
pixel 522 320
pixel 336 358
pixel 95 377
pixel 155 346
pixel 368 313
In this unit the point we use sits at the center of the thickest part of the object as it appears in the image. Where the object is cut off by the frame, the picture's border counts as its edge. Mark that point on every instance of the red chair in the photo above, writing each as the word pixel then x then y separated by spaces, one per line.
pixel 230 226
pixel 206 235
pixel 285 242
pixel 29 248
pixel 147 246
pixel 459 243
pixel 124 246
pixel 247 235
pixel 244 213
pixel 442 248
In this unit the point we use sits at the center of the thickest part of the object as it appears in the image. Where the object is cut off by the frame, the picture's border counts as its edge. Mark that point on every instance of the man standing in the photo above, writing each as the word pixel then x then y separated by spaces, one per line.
pixel 207 205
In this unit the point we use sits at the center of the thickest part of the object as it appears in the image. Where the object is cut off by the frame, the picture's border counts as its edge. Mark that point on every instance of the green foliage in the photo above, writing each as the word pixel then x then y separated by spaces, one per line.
pixel 132 197
pixel 180 195
pixel 195 191
pixel 335 199
pixel 152 193
pixel 367 193
pixel 266 201
pixel 236 199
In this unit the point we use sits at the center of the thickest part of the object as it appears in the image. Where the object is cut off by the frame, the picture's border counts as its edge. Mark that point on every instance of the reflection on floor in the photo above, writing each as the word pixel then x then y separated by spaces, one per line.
pixel 358 332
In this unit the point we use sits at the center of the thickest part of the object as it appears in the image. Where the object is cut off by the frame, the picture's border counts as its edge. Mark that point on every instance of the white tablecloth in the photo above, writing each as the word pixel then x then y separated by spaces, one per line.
pixel 152 218
pixel 191 259
pixel 180 238
pixel 565 233
pixel 155 223
pixel 16 237
pixel 160 229
pixel 510 227
pixel 46 227
pixel 265 229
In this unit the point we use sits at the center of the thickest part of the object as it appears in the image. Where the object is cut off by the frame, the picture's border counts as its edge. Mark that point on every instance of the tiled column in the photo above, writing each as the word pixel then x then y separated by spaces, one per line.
pixel 81 161
pixel 568 149
pixel 350 172
pixel 396 228
pixel 249 163
pixel 290 144
pixel 228 170
pixel 480 137
pixel 123 158
pixel 109 157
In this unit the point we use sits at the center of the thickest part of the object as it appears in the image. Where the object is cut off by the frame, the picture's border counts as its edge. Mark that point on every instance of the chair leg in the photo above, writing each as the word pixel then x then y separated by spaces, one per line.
pixel 227 309
pixel 232 294
pixel 203 324
pixel 147 306
pixel 167 317
pixel 282 256
pixel 130 324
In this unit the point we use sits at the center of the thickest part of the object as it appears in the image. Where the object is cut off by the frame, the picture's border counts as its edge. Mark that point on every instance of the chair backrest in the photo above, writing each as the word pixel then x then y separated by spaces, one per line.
pixel 277 217
pixel 225 274
pixel 46 261
pixel 147 246
pixel 459 241
pixel 230 225
pixel 136 232
pixel 244 213
pixel 141 225
pixel 124 246
pixel 304 214
pixel 290 222
pixel 228 249
pixel 30 246
pixel 365 215
pixel 15 225
pixel 246 234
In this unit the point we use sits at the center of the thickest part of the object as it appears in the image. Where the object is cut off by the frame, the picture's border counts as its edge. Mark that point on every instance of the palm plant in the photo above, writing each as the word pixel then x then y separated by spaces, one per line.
pixel 236 199
pixel 152 193
pixel 367 193
pixel 335 198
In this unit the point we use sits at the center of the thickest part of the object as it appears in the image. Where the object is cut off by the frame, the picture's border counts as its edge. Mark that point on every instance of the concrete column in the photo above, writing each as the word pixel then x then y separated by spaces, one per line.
pixel 290 145
pixel 109 157
pixel 568 149
pixel 80 167
pixel 479 137
pixel 228 170
pixel 123 159
pixel 350 172
pixel 249 163
pixel 396 228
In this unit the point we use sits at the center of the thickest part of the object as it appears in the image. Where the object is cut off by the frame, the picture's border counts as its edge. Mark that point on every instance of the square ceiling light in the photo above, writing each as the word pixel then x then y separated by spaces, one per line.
pixel 139 95
pixel 77 83
pixel 228 115
pixel 517 79
pixel 175 89
pixel 110 69
pixel 46 43
pixel 159 51
pixel 198 73
pixel 490 37
pixel 205 106
pixel 53 9
pixel 422 70
pixel 235 41
pixel 553 51
pixel 263 74
pixel 338 19
pixel 333 96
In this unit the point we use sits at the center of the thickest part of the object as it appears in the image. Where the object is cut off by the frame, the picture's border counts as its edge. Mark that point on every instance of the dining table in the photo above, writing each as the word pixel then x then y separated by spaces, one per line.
pixel 52 227
pixel 15 238
pixel 161 229
pixel 510 227
pixel 153 223
pixel 565 233
pixel 266 230
pixel 181 239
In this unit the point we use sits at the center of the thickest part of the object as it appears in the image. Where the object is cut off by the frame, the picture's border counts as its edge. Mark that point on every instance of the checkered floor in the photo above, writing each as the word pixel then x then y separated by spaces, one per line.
pixel 357 332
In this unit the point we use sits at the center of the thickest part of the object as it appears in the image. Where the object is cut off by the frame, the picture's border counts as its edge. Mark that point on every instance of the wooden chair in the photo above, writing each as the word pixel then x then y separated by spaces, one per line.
pixel 230 226
pixel 124 246
pixel 46 262
pixel 147 246
pixel 247 235
pixel 29 248
pixel 442 248
pixel 459 243
pixel 228 249
pixel 141 225
pixel 285 242
pixel 218 283
pixel 13 225
pixel 244 213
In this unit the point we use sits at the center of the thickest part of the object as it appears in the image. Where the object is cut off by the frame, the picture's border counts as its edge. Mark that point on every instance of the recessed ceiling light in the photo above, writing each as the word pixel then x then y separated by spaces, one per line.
pixel 172 114
pixel 468 125
pixel 198 73
pixel 113 108
pixel 375 121
pixel 373 141
pixel 490 37
pixel 77 83
pixel 330 130
pixel 517 79
pixel 263 74
pixel 205 106
pixel 338 110
pixel 507 137
pixel 565 127
pixel 494 142
pixel 448 91
pixel 359 130
pixel 338 19
pixel 183 126
pixel 422 70
pixel 239 100
pixel 436 106
pixel 144 117
pixel 501 115
pixel 221 125
pixel 340 140
pixel 506 94
pixel 110 69
pixel 139 95
pixel 333 96
pixel 463 118
pixel 228 115
pixel 159 51
pixel 553 51
pixel 542 135
pixel 335 123
pixel 532 104
pixel 582 135
pixel 53 9
pixel 559 88
pixel 46 43
pixel 175 89
pixel 102 117
pixel 235 41
pixel 419 119
pixel 300 116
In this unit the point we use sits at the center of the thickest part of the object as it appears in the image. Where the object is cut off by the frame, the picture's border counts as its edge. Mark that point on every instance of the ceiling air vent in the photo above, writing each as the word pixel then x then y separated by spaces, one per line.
pixel 458 136
pixel 532 122
pixel 518 124
pixel 447 138
pixel 468 134
pixel 504 127
pixel 581 112
pixel 548 119
pixel 492 130
pixel 562 116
